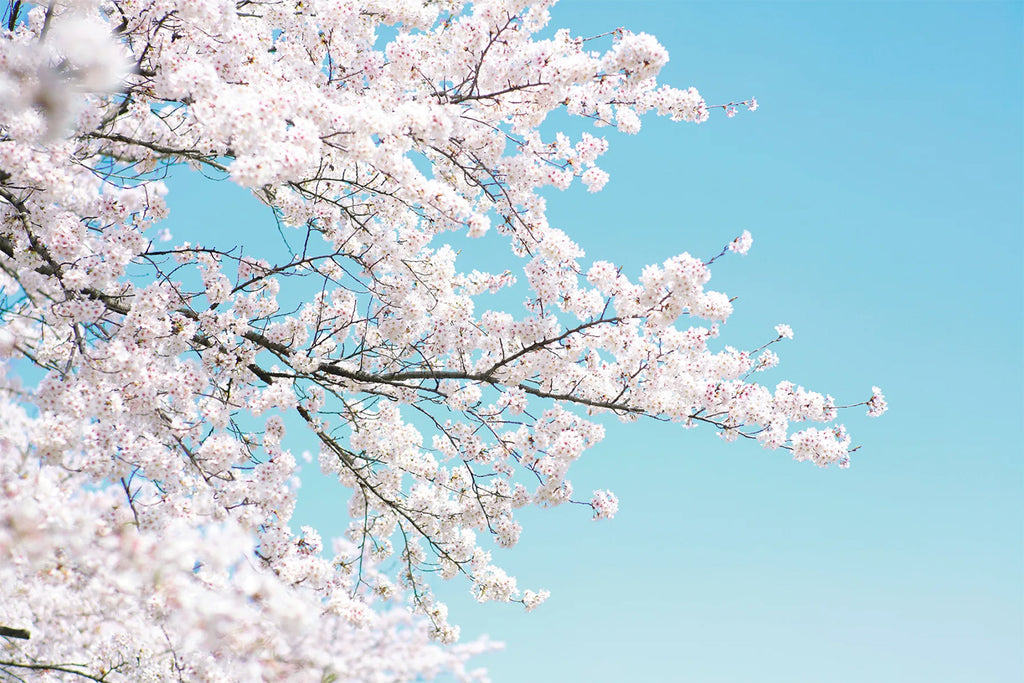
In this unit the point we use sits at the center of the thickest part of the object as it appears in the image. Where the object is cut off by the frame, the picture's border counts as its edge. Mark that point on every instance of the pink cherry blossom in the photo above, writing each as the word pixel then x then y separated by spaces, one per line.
pixel 151 389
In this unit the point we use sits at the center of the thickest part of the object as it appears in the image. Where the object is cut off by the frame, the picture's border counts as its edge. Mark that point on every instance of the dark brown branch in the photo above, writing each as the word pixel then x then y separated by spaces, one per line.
pixel 63 668
pixel 8 632
pixel 12 18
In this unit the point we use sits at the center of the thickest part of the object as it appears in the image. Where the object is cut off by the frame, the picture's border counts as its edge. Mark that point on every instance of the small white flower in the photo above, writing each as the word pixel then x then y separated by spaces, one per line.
pixel 741 245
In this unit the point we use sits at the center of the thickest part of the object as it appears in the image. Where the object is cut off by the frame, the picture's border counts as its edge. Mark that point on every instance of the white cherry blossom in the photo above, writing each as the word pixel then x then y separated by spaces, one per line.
pixel 149 389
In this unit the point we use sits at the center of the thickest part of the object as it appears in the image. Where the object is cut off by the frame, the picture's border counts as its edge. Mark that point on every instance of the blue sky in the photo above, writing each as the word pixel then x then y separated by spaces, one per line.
pixel 882 179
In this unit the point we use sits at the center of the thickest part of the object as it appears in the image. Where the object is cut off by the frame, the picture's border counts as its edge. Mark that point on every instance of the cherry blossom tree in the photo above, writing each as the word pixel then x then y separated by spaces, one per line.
pixel 146 385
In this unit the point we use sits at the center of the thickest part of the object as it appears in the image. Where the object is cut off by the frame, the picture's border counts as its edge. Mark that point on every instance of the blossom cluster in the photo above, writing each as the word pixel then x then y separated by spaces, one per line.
pixel 145 457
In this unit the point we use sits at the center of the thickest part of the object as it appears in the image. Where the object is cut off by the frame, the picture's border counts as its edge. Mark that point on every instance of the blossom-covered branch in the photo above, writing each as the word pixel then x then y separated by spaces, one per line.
pixel 147 387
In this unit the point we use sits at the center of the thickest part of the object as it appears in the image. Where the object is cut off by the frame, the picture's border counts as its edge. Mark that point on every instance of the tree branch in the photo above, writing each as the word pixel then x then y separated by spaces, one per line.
pixel 8 632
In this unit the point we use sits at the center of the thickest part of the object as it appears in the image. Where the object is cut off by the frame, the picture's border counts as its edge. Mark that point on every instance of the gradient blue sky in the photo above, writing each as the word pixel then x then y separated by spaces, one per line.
pixel 882 180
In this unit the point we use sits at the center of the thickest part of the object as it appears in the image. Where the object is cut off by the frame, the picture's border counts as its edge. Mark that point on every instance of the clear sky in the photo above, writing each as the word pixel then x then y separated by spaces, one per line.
pixel 882 179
